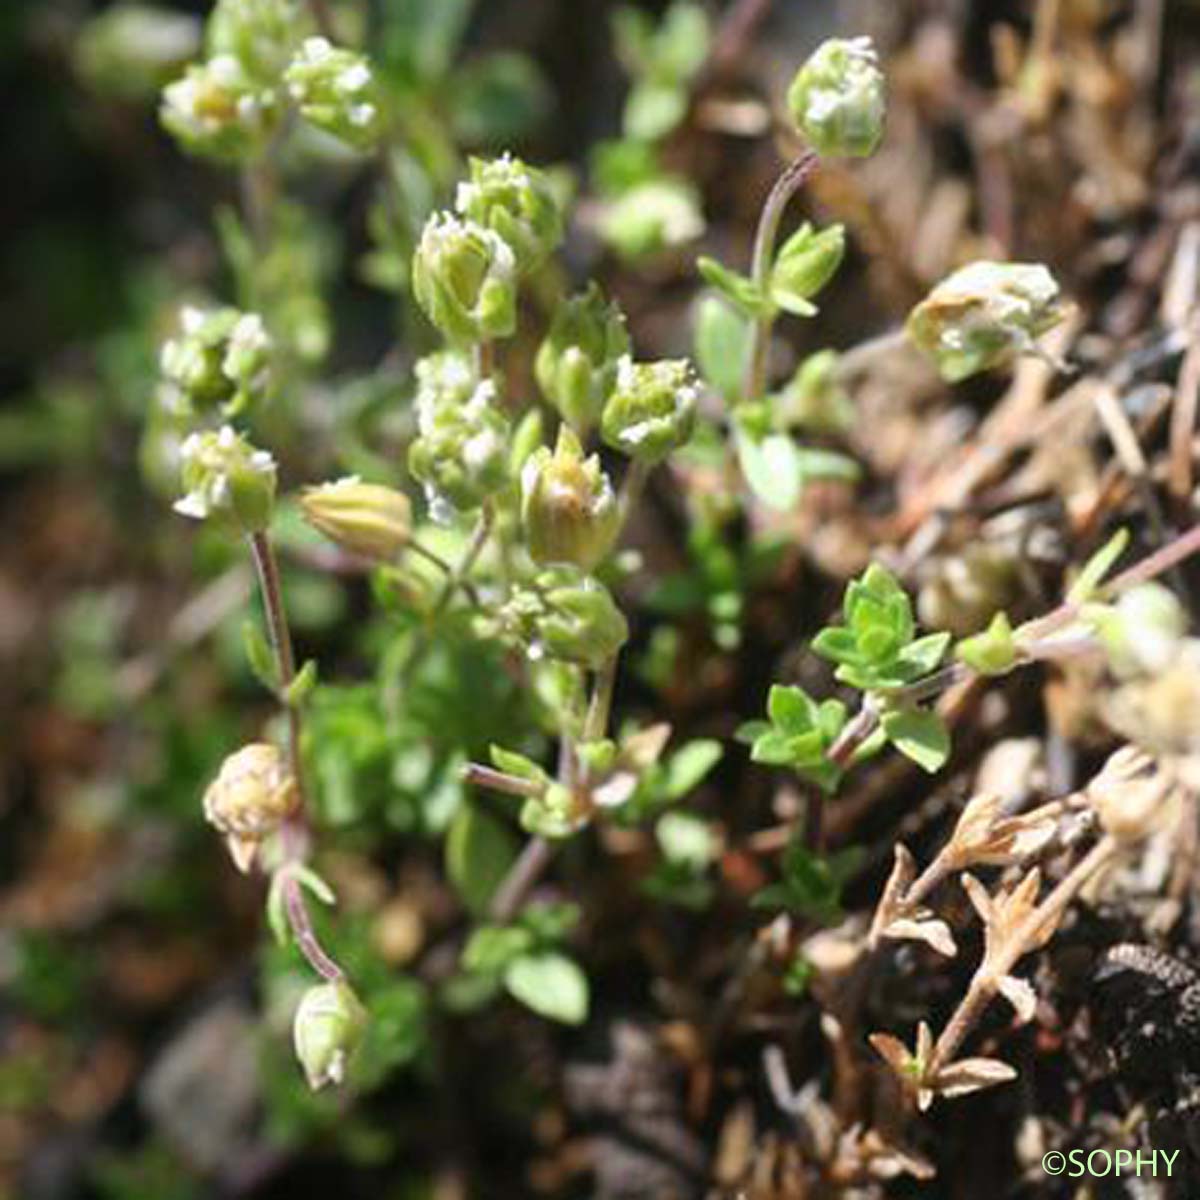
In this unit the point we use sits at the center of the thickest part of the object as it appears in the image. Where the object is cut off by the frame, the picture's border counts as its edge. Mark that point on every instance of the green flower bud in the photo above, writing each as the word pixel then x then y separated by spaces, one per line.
pixel 132 50
pixel 217 111
pixel 564 615
pixel 576 366
pixel 366 519
pixel 653 216
pixel 260 34
pixel 251 797
pixel 992 652
pixel 461 452
pixel 329 1026
pixel 581 622
pixel 652 410
pixel 227 480
pixel 465 279
pixel 220 360
pixel 336 91
pixel 805 264
pixel 567 505
pixel 838 98
pixel 815 398
pixel 983 315
pixel 518 203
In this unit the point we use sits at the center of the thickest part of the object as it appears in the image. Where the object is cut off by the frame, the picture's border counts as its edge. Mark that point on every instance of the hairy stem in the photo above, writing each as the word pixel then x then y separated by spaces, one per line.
pixel 786 186
pixel 521 880
pixel 293 836
pixel 499 781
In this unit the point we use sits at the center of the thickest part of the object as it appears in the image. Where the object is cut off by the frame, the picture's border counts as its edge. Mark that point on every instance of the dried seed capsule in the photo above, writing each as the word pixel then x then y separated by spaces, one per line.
pixel 251 797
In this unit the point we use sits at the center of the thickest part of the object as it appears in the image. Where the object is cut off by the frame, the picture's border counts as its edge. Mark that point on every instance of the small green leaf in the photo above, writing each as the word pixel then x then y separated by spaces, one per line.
pixel 491 948
pixel 926 653
pixel 1097 567
pixel 773 749
pixel 815 464
pixel 653 109
pixel 308 879
pixel 919 735
pixel 301 687
pixel 722 342
pixel 771 466
pixel 686 838
pixel 516 764
pixel 551 985
pixel 259 656
pixel 791 709
pixel 690 764
pixel 738 289
pixel 277 918
pixel 479 852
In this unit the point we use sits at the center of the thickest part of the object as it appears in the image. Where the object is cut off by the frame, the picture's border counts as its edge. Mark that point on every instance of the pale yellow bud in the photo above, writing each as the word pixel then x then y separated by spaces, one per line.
pixel 366 519
pixel 252 795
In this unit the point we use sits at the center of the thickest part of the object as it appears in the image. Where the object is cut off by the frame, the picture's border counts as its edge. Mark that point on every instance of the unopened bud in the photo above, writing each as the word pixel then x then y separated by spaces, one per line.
pixel 328 1027
pixel 226 479
pixel 581 623
pixel 251 797
pixel 336 91
pixel 805 264
pixel 838 98
pixel 984 315
pixel 567 505
pixel 366 519
pixel 653 409
pixel 518 203
pixel 465 279
pixel 1144 629
pixel 576 366
pixel 219 360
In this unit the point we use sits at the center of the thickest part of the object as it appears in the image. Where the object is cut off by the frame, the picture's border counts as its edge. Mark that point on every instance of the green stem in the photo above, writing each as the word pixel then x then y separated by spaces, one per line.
pixel 456 579
pixel 422 551
pixel 786 186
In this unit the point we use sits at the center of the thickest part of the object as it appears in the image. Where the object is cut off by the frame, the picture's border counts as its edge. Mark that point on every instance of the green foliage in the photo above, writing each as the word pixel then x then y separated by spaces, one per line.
pixel 525 959
pixel 877 647
pixel 810 884
pixel 800 734
pixel 662 60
